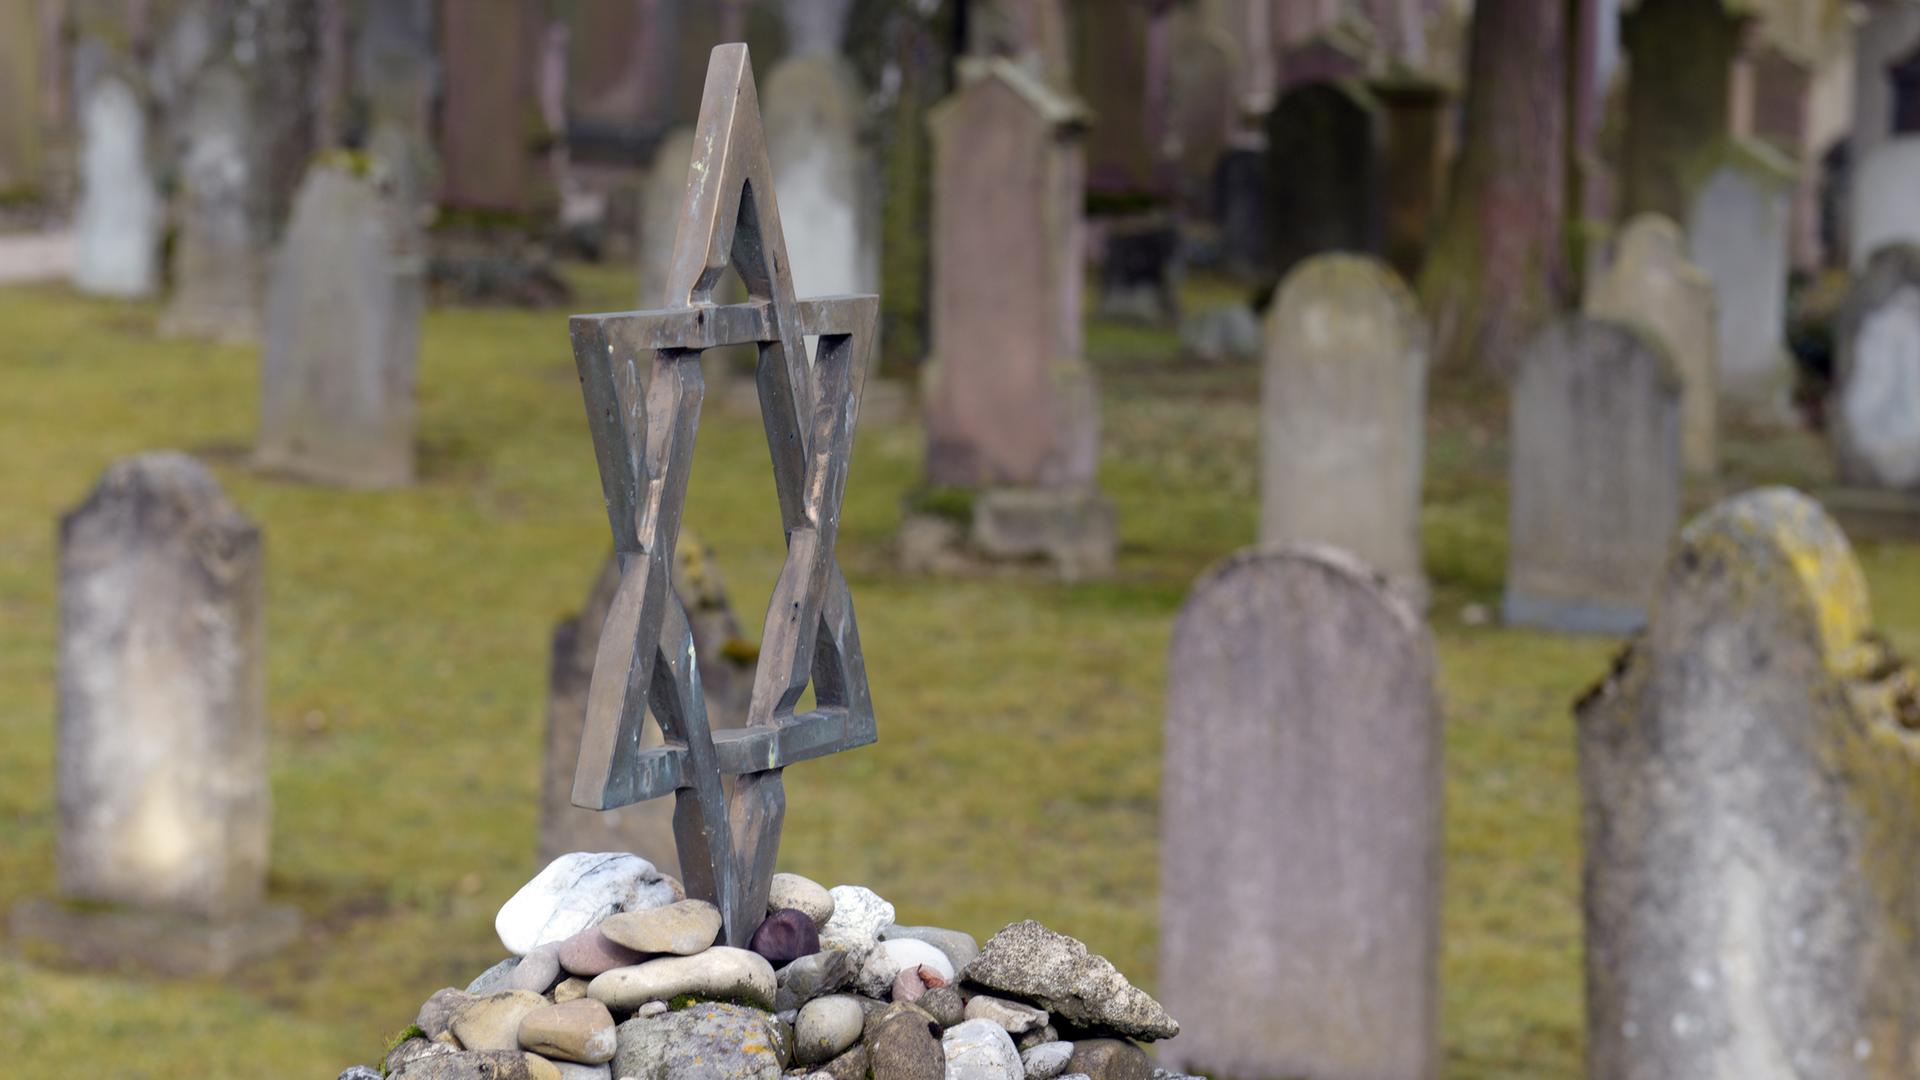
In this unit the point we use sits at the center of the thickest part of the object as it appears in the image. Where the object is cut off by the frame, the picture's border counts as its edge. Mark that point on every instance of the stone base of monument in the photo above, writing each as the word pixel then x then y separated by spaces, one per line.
pixel 1071 533
pixel 613 974
pixel 1874 514
pixel 113 937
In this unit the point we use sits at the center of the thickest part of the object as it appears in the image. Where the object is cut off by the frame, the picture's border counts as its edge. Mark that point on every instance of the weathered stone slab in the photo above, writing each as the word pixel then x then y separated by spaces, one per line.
pixel 1652 285
pixel 725 660
pixel 118 222
pixel 1737 233
pixel 220 222
pixel 1300 825
pixel 492 133
pixel 1885 200
pixel 163 732
pixel 1343 428
pixel 1751 832
pixel 1325 172
pixel 343 328
pixel 822 177
pixel 660 195
pixel 1875 416
pixel 1679 99
pixel 1595 493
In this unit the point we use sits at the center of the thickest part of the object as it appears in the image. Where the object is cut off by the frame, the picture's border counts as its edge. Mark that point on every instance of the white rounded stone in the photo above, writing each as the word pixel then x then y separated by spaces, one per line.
pixel 888 959
pixel 859 914
pixel 574 892
pixel 981 1050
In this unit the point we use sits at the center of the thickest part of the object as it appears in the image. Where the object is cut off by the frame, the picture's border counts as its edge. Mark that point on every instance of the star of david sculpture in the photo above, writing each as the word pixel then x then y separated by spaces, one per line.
pixel 640 376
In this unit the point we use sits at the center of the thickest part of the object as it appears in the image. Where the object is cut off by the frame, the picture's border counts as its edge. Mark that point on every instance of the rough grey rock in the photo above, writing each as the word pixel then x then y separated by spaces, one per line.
pixel 413 1049
pixel 1110 1059
pixel 468 1065
pixel 1030 961
pixel 959 946
pixel 855 1064
pixel 494 979
pixel 438 1010
pixel 720 972
pixel 859 914
pixel 945 1005
pixel 904 1045
pixel 810 976
pixel 1046 1061
pixel 1037 1037
pixel 576 891
pixel 981 1050
pixel 801 894
pixel 1015 1017
pixel 708 1040
pixel 825 1028
pixel 571 1070
pixel 360 1072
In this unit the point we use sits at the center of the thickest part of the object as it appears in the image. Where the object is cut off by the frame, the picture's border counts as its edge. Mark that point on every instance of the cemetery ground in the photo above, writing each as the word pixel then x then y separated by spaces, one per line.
pixel 1017 769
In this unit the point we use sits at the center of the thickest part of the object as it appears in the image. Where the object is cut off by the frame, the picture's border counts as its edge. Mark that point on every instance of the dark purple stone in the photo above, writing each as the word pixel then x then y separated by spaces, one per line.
pixel 786 936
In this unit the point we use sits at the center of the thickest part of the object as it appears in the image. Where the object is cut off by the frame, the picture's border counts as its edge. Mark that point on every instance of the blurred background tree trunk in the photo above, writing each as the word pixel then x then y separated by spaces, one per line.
pixel 1497 267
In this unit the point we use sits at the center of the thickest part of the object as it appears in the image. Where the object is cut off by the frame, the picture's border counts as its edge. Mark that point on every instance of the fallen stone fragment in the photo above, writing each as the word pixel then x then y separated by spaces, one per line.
pixel 1029 961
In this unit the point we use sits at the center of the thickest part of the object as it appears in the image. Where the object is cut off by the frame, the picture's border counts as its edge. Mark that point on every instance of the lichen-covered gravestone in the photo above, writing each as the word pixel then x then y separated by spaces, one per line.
pixel 1595 492
pixel 343 330
pixel 1875 416
pixel 1737 231
pixel 221 226
pixel 1300 831
pixel 1011 409
pixel 814 110
pixel 1651 284
pixel 164 804
pixel 118 222
pixel 1751 790
pixel 1343 429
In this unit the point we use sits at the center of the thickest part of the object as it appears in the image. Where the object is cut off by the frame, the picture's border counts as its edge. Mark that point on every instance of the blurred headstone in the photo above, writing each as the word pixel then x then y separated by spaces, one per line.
pixel 1203 105
pixel 1751 832
pixel 1343 425
pixel 660 196
pixel 343 328
pixel 1120 69
pixel 1416 114
pixel 118 222
pixel 1875 414
pixel 21 65
pixel 1325 142
pixel 1678 100
pixel 726 675
pixel 220 229
pixel 1012 413
pixel 1302 760
pixel 1886 198
pixel 1240 202
pixel 1652 284
pixel 164 802
pixel 395 72
pixel 493 141
pixel 1737 233
pixel 822 179
pixel 1595 494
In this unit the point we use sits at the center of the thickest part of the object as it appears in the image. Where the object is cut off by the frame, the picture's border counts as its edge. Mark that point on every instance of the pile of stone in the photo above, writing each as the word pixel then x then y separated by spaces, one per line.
pixel 615 973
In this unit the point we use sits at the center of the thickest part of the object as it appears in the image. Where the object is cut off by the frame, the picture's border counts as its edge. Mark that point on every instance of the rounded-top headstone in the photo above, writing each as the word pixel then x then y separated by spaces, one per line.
pixel 1876 396
pixel 1343 401
pixel 1750 780
pixel 1301 804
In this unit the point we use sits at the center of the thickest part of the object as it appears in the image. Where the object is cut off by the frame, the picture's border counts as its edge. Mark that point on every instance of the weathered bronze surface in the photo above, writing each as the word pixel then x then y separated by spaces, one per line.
pixel 643 423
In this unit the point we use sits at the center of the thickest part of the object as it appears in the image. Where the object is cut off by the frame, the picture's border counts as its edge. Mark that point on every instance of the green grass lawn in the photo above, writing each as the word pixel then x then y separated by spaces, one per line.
pixel 1017 770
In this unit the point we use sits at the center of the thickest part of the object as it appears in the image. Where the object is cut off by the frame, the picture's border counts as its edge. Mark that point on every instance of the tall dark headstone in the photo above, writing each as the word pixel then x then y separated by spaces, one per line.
pixel 1679 98
pixel 1325 173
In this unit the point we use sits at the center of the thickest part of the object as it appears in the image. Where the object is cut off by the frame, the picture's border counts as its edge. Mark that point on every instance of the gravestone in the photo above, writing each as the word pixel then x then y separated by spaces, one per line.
pixel 1682 54
pixel 1325 144
pixel 493 141
pixel 118 222
pixel 343 328
pixel 220 224
pixel 1417 118
pixel 395 69
pixel 1875 414
pixel 1343 426
pixel 1119 67
pixel 162 785
pixel 813 138
pixel 1737 233
pixel 21 152
pixel 1748 773
pixel 726 674
pixel 1652 285
pixel 1885 203
pixel 1303 751
pixel 1010 406
pixel 1203 105
pixel 1595 492
pixel 1240 201
pixel 660 197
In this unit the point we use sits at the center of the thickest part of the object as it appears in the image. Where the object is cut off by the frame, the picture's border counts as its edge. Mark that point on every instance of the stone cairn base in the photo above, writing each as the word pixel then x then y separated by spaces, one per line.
pixel 615 973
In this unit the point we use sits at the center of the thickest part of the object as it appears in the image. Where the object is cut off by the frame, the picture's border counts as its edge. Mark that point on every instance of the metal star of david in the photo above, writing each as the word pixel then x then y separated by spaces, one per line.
pixel 643 423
